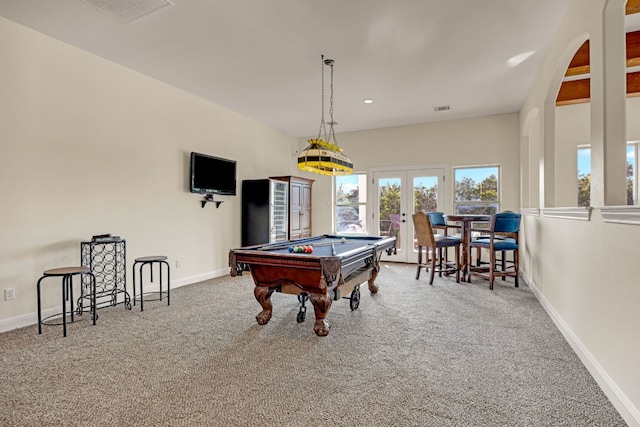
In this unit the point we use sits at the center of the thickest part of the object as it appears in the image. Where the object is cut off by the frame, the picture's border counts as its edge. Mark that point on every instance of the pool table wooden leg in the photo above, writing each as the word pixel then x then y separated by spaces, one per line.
pixel 375 268
pixel 263 295
pixel 321 304
pixel 373 288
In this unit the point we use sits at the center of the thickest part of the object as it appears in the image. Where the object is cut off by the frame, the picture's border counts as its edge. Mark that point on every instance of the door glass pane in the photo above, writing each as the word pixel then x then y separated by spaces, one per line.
pixel 389 197
pixel 425 194
pixel 425 198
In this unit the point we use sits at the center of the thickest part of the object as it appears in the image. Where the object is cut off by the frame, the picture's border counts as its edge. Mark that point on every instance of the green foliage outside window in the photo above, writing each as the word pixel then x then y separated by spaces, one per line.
pixel 584 190
pixel 425 198
pixel 343 196
pixel 389 201
pixel 468 191
pixel 584 187
pixel 478 198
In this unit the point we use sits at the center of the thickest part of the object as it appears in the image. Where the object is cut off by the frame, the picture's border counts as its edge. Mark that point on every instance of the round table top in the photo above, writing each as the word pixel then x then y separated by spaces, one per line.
pixel 151 258
pixel 467 217
pixel 64 271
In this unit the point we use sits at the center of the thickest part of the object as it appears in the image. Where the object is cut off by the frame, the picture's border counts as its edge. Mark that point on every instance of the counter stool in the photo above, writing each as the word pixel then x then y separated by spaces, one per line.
pixel 67 274
pixel 150 261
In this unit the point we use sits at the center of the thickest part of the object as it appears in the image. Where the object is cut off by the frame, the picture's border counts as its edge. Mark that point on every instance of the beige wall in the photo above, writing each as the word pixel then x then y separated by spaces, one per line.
pixel 89 147
pixel 585 271
pixel 572 130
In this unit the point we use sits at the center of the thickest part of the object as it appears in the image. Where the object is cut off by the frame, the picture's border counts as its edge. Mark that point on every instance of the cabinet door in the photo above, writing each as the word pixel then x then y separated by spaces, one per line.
pixel 305 210
pixel 295 210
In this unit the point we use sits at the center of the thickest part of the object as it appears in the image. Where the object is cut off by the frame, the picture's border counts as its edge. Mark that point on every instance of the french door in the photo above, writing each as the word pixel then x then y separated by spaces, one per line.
pixel 397 195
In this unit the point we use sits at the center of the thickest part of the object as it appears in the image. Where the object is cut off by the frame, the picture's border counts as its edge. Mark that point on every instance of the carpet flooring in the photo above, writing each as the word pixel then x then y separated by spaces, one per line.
pixel 411 355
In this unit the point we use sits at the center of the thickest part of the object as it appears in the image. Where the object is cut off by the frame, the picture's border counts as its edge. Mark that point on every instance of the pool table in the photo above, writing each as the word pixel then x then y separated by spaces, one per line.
pixel 335 269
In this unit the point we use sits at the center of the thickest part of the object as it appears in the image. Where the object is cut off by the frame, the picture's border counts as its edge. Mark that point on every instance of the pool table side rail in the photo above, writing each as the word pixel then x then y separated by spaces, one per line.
pixel 260 254
pixel 377 240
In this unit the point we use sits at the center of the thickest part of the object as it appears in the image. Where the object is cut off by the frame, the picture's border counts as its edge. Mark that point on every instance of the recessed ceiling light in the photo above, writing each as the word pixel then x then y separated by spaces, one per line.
pixel 368 101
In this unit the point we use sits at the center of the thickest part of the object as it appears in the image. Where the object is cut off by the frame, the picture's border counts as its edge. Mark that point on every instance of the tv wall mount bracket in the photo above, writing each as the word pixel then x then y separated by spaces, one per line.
pixel 209 198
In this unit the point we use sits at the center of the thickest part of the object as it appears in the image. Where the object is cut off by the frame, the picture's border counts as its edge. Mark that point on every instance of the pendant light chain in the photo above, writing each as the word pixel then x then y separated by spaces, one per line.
pixel 322 132
pixel 332 134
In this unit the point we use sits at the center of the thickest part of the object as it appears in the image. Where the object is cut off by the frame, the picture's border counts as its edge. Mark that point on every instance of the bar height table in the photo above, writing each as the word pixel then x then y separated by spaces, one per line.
pixel 466 220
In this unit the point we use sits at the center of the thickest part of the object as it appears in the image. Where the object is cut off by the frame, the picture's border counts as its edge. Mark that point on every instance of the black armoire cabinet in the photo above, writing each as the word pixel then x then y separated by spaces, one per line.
pixel 265 211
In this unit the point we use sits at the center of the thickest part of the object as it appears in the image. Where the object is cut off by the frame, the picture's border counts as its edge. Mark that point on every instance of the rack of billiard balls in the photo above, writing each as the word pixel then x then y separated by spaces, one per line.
pixel 308 249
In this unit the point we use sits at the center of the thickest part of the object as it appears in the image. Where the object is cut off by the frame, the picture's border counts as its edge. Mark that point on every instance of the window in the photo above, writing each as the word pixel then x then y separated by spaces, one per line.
pixel 584 174
pixel 632 176
pixel 351 204
pixel 477 190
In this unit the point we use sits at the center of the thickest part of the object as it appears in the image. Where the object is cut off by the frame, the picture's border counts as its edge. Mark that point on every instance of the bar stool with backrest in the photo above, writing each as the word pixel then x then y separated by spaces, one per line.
pixel 67 274
pixel 441 226
pixel 160 261
pixel 501 259
pixel 432 243
pixel 502 236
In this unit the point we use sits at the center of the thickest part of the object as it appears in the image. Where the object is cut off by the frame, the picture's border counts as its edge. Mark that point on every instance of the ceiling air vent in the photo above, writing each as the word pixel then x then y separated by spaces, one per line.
pixel 127 11
pixel 441 108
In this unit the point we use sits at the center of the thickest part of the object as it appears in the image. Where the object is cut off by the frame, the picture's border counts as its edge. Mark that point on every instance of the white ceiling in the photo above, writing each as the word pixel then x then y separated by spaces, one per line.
pixel 261 58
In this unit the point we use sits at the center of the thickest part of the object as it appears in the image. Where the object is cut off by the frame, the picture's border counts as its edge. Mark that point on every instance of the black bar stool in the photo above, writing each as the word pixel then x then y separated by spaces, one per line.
pixel 150 261
pixel 67 274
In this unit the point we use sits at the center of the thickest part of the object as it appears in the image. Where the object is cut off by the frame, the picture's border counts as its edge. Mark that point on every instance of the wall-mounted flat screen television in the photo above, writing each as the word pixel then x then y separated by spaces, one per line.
pixel 212 175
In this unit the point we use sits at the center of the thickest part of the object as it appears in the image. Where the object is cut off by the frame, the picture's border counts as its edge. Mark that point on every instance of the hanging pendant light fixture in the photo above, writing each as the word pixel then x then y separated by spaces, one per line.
pixel 323 155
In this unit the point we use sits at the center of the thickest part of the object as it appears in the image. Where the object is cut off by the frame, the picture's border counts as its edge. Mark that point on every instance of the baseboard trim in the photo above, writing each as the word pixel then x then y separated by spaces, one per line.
pixel 29 319
pixel 627 410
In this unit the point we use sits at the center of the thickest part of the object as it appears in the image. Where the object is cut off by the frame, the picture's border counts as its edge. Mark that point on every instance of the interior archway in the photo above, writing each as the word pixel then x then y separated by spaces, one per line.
pixel 573 121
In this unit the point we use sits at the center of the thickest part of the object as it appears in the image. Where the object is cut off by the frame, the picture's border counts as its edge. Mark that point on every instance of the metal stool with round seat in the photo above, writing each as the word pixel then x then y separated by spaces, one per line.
pixel 161 261
pixel 67 274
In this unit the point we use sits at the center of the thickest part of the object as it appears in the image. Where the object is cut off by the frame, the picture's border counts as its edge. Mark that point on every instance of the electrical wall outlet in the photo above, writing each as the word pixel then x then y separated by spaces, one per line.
pixel 9 294
pixel 177 264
